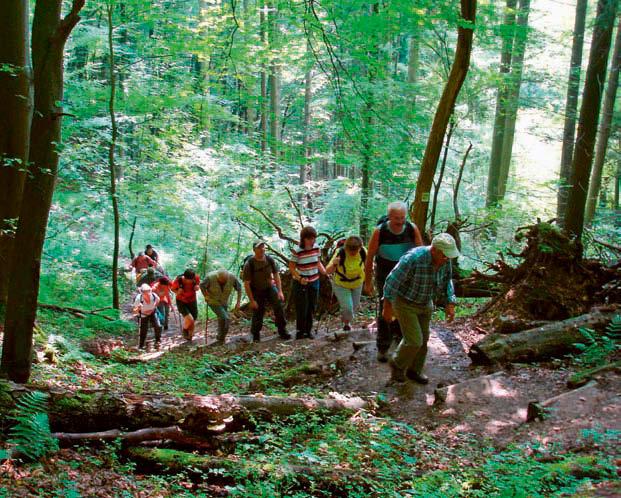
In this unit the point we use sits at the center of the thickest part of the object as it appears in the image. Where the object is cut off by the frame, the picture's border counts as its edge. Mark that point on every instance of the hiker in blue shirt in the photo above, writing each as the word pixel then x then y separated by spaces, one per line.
pixel 422 276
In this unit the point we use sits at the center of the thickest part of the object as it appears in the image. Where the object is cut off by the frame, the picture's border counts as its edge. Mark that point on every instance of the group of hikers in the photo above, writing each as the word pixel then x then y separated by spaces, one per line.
pixel 409 278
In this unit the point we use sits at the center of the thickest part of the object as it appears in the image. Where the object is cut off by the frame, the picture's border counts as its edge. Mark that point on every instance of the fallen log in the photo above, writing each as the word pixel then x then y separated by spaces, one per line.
pixel 552 340
pixel 211 468
pixel 504 324
pixel 98 410
pixel 542 410
pixel 581 378
pixel 76 311
pixel 173 433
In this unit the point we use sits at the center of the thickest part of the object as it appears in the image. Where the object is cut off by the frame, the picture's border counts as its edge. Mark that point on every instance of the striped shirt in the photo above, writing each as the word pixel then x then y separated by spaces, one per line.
pixel 415 279
pixel 306 262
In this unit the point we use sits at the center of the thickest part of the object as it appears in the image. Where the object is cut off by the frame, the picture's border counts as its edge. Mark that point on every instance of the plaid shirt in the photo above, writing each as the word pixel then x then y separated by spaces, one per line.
pixel 414 279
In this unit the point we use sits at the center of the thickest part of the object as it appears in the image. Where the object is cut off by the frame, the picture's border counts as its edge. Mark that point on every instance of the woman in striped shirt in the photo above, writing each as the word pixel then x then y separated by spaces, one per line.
pixel 305 268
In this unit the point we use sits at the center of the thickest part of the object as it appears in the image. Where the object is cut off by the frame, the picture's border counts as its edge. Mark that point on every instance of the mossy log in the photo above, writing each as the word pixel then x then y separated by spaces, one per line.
pixel 552 340
pixel 97 410
pixel 226 470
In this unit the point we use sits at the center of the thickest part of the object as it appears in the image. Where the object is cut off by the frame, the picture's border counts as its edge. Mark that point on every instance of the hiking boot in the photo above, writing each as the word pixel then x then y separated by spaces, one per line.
pixel 416 377
pixel 396 373
pixel 346 327
pixel 256 338
pixel 382 356
pixel 285 336
pixel 166 327
pixel 185 334
pixel 157 345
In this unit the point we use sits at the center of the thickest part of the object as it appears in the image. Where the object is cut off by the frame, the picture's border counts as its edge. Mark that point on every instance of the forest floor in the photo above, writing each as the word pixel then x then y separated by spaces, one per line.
pixel 492 407
pixel 485 404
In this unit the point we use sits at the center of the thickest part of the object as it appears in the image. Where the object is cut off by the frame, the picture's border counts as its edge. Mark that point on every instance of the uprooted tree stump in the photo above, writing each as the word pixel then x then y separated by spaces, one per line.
pixel 552 281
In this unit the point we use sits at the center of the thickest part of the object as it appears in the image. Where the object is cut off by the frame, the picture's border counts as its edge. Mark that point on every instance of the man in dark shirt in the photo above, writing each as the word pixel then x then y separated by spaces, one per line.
pixel 263 286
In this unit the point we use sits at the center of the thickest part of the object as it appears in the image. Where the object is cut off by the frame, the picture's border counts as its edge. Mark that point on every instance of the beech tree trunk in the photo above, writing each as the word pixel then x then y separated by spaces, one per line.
pixel 111 163
pixel 513 95
pixel 571 104
pixel 458 73
pixel 15 120
pixel 604 129
pixel 263 106
pixel 274 83
pixel 305 163
pixel 49 34
pixel 552 340
pixel 498 134
pixel 589 117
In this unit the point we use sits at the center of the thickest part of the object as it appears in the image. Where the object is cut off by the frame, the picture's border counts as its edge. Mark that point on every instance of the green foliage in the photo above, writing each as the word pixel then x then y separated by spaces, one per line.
pixel 30 436
pixel 598 347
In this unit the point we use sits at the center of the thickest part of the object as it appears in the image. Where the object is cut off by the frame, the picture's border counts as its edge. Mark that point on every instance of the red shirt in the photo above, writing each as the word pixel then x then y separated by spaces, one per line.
pixel 163 291
pixel 187 294
pixel 143 262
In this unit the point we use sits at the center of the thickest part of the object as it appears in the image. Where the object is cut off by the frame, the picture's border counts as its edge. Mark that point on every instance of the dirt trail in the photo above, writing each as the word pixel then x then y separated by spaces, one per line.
pixel 492 407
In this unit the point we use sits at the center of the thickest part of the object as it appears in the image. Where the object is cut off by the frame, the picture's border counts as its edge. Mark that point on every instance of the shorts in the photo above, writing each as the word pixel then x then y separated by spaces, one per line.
pixel 188 309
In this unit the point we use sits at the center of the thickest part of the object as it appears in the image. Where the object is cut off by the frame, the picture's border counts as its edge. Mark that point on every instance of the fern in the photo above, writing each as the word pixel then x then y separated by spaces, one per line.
pixel 613 330
pixel 597 347
pixel 31 437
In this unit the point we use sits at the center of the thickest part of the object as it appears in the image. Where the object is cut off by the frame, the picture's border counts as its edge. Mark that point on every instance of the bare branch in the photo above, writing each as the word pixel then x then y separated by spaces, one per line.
pixel 276 227
pixel 295 206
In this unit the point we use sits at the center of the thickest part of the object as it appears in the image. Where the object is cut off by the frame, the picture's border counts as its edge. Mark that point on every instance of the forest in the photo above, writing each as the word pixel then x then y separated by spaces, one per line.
pixel 310 248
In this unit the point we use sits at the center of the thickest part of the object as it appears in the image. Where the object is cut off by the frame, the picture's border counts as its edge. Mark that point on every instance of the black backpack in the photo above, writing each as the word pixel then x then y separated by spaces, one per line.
pixel 341 255
pixel 248 259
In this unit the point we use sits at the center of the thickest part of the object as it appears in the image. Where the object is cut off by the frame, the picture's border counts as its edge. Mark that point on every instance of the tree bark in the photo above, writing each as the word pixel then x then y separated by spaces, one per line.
pixel 98 410
pixel 589 117
pixel 436 192
pixel 513 95
pixel 15 120
pixel 552 340
pixel 571 104
pixel 111 163
pixel 455 81
pixel 498 134
pixel 274 82
pixel 49 34
pixel 305 163
pixel 263 106
pixel 604 129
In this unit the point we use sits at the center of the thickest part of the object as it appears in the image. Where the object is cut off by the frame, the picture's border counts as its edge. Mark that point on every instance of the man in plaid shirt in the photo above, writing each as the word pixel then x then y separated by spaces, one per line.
pixel 421 276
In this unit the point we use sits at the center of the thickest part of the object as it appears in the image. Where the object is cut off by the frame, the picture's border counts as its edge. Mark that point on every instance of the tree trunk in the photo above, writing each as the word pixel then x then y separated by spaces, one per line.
pixel 98 410
pixel 498 134
pixel 458 182
pixel 49 34
pixel 443 113
pixel 571 104
pixel 263 106
pixel 274 83
pixel 436 192
pixel 513 95
pixel 413 65
pixel 552 340
pixel 111 164
pixel 604 129
pixel 589 117
pixel 305 162
pixel 15 120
